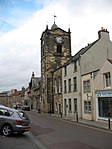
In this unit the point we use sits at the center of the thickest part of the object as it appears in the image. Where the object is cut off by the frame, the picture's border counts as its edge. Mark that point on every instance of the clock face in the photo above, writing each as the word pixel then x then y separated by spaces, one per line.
pixel 59 39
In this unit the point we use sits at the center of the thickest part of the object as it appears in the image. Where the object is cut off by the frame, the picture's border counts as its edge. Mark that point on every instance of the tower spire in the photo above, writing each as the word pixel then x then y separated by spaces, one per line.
pixel 54 26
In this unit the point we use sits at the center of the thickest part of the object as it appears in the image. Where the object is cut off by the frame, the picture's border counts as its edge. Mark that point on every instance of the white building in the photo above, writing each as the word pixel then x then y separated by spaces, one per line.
pixel 88 62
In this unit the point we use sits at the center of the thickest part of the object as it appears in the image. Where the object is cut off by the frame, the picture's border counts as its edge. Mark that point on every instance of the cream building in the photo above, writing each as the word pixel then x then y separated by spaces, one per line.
pixel 103 91
pixel 89 61
pixel 71 88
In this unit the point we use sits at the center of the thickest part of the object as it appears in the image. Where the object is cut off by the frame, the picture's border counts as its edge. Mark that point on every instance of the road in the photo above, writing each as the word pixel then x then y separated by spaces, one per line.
pixel 59 134
pixel 17 142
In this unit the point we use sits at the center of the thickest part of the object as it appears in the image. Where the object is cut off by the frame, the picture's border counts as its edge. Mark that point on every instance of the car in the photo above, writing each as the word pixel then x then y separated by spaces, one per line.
pixel 17 107
pixel 12 120
pixel 26 108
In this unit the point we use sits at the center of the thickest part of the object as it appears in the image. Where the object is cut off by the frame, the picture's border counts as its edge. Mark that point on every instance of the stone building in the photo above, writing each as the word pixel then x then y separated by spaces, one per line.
pixel 17 97
pixel 55 51
pixel 6 98
pixel 33 93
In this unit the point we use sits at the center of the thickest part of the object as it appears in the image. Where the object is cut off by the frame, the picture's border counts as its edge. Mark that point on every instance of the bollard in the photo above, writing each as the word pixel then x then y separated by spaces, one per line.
pixel 61 114
pixel 77 117
pixel 109 123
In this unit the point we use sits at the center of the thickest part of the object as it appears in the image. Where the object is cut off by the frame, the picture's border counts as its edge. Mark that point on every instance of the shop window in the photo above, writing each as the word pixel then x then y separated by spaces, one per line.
pixel 105 106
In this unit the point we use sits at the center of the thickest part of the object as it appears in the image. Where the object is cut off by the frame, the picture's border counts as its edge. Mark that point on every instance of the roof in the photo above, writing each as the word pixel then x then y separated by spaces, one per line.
pixel 35 82
pixel 83 50
pixel 54 26
pixel 110 61
pixel 17 93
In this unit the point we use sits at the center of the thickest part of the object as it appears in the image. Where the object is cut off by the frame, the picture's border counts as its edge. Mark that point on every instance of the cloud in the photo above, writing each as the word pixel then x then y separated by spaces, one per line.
pixel 22 27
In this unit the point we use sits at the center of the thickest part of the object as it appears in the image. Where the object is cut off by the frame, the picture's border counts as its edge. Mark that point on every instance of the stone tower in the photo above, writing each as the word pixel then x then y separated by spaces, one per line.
pixel 55 51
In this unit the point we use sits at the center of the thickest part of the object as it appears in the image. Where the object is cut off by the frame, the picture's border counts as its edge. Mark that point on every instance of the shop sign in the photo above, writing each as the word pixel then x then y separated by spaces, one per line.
pixel 104 94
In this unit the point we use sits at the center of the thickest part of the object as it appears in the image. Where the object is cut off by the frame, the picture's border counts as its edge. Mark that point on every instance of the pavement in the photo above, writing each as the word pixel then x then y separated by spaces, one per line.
pixel 104 124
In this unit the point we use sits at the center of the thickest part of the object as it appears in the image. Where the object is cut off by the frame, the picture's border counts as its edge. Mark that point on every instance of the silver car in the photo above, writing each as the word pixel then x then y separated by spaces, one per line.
pixel 12 120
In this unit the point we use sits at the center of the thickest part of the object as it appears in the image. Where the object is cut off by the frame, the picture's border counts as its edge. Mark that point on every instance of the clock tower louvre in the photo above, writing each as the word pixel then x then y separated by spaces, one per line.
pixel 55 51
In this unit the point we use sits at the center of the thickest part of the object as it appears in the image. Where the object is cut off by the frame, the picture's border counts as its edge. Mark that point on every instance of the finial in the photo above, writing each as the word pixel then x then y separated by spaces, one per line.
pixel 69 28
pixel 47 25
pixel 33 74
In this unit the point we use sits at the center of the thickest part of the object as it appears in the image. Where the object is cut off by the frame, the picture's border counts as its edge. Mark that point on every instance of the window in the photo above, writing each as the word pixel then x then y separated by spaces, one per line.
pixel 59 48
pixel 59 85
pixel 105 106
pixel 107 79
pixel 75 104
pixel 69 85
pixel 23 115
pixel 65 86
pixel 55 87
pixel 65 70
pixel 75 66
pixel 87 106
pixel 69 105
pixel 75 84
pixel 5 112
pixel 86 86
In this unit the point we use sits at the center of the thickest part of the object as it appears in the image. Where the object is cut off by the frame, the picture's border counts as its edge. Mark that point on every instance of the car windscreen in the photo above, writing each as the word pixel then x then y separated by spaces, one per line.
pixel 23 115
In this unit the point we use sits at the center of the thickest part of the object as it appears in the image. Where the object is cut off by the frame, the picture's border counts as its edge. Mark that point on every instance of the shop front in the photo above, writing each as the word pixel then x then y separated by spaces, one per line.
pixel 104 104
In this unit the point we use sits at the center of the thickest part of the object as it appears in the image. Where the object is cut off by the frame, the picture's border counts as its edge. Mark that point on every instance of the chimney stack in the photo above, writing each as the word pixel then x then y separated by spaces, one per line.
pixel 103 33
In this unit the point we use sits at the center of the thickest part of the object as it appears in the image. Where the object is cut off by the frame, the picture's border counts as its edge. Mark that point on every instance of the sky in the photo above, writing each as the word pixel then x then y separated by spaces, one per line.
pixel 23 21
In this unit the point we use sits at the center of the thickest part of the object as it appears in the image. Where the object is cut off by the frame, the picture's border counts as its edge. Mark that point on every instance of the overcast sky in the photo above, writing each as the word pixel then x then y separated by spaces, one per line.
pixel 23 21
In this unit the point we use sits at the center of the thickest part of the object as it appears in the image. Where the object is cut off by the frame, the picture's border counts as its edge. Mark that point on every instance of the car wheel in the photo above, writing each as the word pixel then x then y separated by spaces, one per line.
pixel 6 130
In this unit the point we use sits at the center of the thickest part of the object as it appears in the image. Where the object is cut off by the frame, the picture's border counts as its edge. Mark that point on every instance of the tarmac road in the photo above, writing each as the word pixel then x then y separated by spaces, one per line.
pixel 59 134
pixel 25 141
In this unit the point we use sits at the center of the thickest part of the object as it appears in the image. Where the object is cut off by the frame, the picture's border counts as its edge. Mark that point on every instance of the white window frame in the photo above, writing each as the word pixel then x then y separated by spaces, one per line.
pixel 107 79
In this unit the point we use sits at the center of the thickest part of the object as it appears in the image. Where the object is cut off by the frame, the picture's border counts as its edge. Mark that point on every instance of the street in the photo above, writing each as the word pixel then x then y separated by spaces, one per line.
pixel 59 134
pixel 48 132
pixel 17 142
pixel 26 140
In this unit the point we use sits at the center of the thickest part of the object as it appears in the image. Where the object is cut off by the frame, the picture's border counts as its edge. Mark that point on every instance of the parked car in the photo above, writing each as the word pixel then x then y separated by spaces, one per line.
pixel 26 108
pixel 12 120
pixel 17 107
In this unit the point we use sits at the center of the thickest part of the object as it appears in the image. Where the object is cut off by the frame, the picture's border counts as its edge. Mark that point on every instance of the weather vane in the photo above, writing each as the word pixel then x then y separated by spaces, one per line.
pixel 54 17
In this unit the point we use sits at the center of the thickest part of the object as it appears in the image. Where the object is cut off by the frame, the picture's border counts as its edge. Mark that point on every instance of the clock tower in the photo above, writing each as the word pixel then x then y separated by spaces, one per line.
pixel 55 52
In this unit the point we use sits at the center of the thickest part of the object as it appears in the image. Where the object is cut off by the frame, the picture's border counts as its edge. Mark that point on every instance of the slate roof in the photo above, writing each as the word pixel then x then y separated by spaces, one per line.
pixel 83 50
